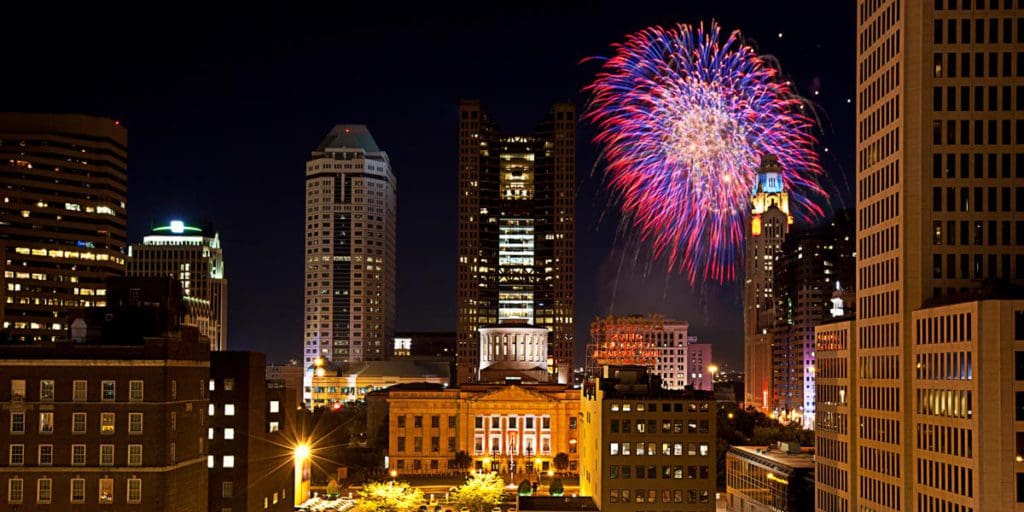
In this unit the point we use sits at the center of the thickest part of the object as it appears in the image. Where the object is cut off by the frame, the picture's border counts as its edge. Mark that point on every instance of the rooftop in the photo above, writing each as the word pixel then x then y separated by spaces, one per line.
pixel 802 460
pixel 349 136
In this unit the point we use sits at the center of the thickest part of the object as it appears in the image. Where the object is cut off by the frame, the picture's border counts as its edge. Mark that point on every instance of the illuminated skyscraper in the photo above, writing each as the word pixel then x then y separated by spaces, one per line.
pixel 63 189
pixel 921 397
pixel 769 223
pixel 193 256
pixel 517 198
pixel 350 249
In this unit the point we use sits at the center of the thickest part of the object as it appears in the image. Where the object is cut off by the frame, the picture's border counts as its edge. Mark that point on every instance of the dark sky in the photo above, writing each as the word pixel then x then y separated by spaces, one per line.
pixel 224 104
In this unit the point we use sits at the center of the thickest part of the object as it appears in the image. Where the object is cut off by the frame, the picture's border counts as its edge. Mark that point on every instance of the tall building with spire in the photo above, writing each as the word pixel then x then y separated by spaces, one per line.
pixel 516 233
pixel 769 223
pixel 63 218
pixel 192 255
pixel 921 396
pixel 350 249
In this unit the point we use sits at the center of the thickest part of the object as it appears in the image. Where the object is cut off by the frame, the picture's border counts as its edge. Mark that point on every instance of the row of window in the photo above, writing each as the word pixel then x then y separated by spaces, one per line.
pixel 511 422
pixel 79 390
pixel 651 449
pixel 44 491
pixel 651 496
pixel 653 407
pixel 667 426
pixel 667 472
pixel 16 455
pixel 953 31
pixel 80 420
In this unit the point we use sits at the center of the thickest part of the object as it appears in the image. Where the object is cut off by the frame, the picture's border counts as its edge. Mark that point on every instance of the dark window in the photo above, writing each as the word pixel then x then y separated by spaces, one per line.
pixel 1018 325
pixel 1018 371
pixel 1020 406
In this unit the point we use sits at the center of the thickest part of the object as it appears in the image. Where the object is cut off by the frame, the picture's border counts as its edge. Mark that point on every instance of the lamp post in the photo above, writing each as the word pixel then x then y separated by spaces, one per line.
pixel 302 453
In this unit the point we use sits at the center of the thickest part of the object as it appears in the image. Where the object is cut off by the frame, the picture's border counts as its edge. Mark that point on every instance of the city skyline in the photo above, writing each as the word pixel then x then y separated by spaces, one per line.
pixel 258 119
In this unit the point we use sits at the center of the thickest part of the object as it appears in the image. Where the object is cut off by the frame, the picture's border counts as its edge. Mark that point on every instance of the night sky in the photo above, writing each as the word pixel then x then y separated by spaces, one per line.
pixel 223 106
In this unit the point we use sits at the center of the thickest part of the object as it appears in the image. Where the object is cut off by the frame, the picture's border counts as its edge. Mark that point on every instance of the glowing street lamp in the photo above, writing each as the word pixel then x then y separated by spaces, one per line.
pixel 301 452
pixel 394 473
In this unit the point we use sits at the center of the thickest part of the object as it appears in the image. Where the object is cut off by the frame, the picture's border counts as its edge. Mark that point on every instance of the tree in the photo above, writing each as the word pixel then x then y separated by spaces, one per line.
pixel 525 488
pixel 462 460
pixel 332 488
pixel 556 488
pixel 389 497
pixel 562 461
pixel 480 492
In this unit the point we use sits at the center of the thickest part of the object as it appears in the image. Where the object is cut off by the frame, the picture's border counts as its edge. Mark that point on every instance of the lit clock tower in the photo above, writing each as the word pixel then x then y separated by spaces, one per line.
pixel 769 223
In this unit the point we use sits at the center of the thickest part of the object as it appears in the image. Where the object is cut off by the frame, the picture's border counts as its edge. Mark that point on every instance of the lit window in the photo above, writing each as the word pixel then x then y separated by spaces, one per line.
pixel 210 461
pixel 227 489
pixel 229 461
pixel 274 426
pixel 106 491
pixel 209 433
pixel 212 410
pixel 229 409
pixel 46 422
pixel 18 389
pixel 229 384
pixel 46 390
pixel 106 423
pixel 108 390
pixel 275 406
pixel 213 385
pixel 229 433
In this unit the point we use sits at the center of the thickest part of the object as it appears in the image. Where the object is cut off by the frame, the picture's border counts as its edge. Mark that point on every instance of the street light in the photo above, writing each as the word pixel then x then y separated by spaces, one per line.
pixel 394 473
pixel 301 452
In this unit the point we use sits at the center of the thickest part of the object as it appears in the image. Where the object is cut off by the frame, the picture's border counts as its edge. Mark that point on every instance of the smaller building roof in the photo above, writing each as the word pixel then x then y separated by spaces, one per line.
pixel 802 460
pixel 557 503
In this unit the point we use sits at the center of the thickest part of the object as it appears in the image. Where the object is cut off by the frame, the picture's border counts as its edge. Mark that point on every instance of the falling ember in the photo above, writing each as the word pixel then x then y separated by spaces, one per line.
pixel 683 120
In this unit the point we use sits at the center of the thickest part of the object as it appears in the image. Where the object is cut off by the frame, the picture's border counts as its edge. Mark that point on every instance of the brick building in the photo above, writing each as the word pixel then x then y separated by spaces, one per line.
pixel 114 423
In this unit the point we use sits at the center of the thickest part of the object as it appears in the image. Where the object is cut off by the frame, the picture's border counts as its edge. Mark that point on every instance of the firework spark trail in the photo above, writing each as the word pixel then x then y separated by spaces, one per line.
pixel 683 120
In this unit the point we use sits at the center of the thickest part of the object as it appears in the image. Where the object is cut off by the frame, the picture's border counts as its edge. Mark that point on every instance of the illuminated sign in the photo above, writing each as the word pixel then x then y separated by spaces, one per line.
pixel 87 245
pixel 178 227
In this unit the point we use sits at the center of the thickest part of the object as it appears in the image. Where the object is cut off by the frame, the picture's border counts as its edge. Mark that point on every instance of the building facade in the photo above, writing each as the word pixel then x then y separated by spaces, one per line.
pixel 251 436
pixel 193 256
pixel 643 447
pixel 115 423
pixel 436 344
pixel 938 132
pixel 769 478
pixel 515 430
pixel 350 249
pixel 808 270
pixel 653 341
pixel 769 223
pixel 63 211
pixel 516 233
pixel 698 367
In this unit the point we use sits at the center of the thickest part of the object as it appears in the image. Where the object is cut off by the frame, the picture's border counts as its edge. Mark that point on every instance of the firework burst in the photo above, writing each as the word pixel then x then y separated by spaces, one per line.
pixel 683 119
